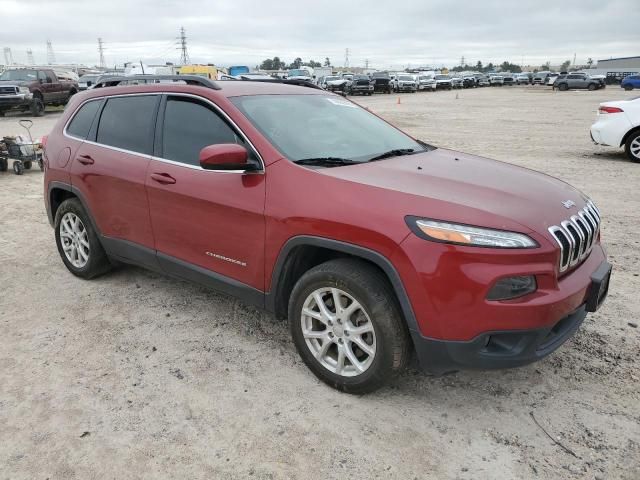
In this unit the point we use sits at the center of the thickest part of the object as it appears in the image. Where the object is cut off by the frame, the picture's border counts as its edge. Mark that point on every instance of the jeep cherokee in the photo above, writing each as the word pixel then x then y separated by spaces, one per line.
pixel 373 244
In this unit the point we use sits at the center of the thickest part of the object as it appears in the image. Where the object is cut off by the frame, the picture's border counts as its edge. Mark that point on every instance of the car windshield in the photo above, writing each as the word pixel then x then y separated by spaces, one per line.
pixel 361 77
pixel 329 79
pixel 322 126
pixel 19 75
pixel 442 77
pixel 299 73
pixel 88 78
pixel 406 78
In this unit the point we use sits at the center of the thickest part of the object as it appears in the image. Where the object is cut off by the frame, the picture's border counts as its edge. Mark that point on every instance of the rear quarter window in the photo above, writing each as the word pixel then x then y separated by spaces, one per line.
pixel 128 123
pixel 83 119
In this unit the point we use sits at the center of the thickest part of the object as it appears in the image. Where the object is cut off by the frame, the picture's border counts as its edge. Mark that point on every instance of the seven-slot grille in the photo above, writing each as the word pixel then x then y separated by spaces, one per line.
pixel 8 90
pixel 577 235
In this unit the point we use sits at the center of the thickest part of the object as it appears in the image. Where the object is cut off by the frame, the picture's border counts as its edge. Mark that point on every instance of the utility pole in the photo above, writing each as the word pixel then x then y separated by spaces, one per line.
pixel 184 55
pixel 30 57
pixel 101 51
pixel 346 58
pixel 51 58
pixel 366 63
pixel 574 59
pixel 8 57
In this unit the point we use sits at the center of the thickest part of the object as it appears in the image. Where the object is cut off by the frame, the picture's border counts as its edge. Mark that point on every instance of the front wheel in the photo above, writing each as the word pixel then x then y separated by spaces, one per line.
pixel 37 107
pixel 592 87
pixel 27 165
pixel 77 241
pixel 347 327
pixel 628 88
pixel 632 147
pixel 18 168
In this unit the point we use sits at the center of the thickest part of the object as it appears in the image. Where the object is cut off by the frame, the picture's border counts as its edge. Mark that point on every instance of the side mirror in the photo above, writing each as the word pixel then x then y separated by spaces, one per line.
pixel 226 156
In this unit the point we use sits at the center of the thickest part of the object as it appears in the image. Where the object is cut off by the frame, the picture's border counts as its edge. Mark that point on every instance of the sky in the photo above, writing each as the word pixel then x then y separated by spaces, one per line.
pixel 387 34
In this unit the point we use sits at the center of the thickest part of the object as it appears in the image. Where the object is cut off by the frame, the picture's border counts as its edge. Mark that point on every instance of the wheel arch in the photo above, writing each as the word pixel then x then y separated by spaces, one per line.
pixel 629 133
pixel 58 192
pixel 301 253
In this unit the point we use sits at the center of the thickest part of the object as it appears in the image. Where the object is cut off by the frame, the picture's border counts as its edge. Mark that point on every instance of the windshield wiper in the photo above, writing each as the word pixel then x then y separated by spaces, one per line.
pixel 396 152
pixel 333 161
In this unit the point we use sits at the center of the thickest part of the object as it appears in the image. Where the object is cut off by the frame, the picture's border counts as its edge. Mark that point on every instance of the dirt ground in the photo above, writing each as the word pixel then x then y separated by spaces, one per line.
pixel 137 375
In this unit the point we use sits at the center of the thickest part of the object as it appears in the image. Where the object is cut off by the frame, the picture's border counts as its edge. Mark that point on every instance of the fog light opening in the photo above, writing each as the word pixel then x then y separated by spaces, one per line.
pixel 512 287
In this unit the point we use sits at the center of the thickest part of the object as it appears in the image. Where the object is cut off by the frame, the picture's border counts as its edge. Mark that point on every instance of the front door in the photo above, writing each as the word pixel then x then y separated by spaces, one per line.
pixel 204 221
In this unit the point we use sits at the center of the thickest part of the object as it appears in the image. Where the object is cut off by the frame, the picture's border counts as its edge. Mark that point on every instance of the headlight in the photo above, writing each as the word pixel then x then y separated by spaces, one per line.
pixel 458 234
pixel 24 90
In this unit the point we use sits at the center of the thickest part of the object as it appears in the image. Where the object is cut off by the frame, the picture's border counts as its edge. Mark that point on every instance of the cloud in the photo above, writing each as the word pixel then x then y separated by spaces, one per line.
pixel 389 34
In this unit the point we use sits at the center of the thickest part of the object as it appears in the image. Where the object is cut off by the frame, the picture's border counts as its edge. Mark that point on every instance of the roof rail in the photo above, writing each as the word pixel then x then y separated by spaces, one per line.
pixel 300 83
pixel 143 79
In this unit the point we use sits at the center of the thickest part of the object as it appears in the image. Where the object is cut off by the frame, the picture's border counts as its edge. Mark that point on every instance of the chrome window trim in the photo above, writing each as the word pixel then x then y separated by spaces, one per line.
pixel 234 125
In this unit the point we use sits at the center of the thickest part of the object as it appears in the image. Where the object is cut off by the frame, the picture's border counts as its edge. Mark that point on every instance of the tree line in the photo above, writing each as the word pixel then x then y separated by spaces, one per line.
pixel 276 64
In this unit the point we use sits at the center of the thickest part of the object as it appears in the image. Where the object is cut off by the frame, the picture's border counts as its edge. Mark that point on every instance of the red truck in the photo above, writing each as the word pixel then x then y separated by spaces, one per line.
pixel 373 244
pixel 32 89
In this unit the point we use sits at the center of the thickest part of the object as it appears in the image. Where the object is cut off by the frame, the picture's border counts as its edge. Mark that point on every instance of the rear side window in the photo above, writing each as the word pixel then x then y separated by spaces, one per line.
pixel 81 123
pixel 128 123
pixel 189 126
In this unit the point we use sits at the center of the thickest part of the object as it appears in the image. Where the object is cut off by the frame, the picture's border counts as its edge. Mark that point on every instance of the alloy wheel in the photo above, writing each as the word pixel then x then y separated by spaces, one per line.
pixel 338 332
pixel 75 240
pixel 635 147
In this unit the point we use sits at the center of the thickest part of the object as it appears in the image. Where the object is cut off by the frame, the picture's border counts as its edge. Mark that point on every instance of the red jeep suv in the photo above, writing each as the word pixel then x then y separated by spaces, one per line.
pixel 375 245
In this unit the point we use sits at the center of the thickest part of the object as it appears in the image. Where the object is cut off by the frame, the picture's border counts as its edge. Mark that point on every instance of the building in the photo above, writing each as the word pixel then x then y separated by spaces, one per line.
pixel 619 63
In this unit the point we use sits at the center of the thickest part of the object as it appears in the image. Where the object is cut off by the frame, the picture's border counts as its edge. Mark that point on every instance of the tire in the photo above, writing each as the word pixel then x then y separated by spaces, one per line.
pixel 4 165
pixel 2 112
pixel 37 107
pixel 41 165
pixel 18 168
pixel 27 165
pixel 632 146
pixel 563 87
pixel 592 87
pixel 377 312
pixel 628 88
pixel 96 262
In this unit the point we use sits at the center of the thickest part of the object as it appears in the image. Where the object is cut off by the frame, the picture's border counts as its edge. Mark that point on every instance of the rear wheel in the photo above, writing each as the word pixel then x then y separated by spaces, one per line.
pixel 563 87
pixel 347 327
pixel 592 87
pixel 632 146
pixel 77 241
pixel 27 165
pixel 4 165
pixel 628 87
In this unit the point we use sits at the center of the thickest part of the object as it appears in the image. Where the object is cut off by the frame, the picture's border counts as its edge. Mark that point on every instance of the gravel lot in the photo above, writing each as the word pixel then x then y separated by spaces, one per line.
pixel 136 375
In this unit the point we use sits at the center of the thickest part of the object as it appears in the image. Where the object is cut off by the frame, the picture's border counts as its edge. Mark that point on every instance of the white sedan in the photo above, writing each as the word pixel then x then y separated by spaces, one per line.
pixel 618 125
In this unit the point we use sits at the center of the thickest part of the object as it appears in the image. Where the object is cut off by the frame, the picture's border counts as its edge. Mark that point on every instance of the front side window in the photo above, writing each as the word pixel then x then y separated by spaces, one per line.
pixel 81 123
pixel 128 122
pixel 189 126
pixel 314 126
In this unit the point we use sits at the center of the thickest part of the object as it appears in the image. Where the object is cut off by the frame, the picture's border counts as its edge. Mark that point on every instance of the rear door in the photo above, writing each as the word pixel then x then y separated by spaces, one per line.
pixel 109 170
pixel 204 219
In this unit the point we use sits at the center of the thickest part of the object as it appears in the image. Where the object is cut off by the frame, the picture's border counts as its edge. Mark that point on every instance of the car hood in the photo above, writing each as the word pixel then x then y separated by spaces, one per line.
pixel 14 83
pixel 453 186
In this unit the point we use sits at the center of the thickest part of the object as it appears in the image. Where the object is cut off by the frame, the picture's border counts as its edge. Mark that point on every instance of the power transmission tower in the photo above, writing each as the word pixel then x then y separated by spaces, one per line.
pixel 462 61
pixel 101 51
pixel 366 63
pixel 30 57
pixel 8 57
pixel 346 58
pixel 51 58
pixel 184 55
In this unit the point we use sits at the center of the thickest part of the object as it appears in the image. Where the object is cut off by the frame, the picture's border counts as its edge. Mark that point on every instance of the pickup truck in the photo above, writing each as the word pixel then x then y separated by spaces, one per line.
pixel 31 89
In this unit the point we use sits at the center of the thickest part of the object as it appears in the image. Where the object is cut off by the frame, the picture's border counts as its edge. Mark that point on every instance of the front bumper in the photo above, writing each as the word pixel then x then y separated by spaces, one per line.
pixel 15 100
pixel 509 348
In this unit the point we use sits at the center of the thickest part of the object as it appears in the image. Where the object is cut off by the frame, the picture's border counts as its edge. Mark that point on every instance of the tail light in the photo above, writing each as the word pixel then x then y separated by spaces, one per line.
pixel 610 110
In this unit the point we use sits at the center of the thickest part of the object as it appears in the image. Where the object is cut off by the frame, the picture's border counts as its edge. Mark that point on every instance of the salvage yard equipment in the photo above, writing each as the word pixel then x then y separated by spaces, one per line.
pixel 23 153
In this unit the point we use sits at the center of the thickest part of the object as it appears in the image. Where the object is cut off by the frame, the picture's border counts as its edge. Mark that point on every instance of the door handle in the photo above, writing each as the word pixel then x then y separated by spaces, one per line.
pixel 163 178
pixel 85 160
